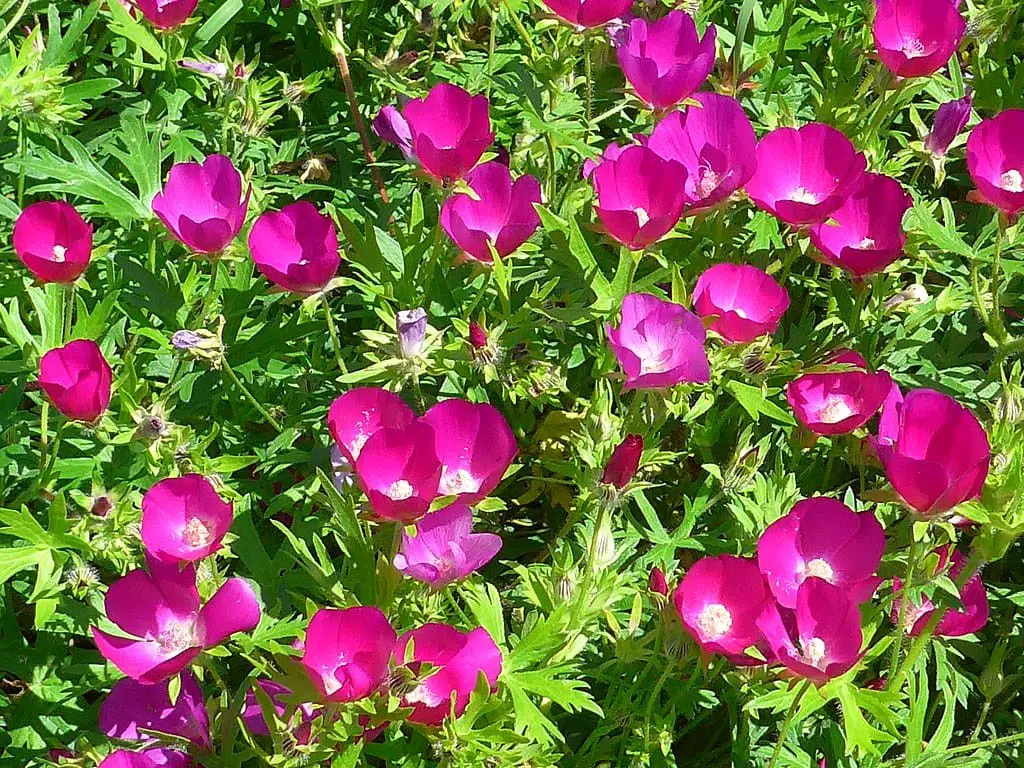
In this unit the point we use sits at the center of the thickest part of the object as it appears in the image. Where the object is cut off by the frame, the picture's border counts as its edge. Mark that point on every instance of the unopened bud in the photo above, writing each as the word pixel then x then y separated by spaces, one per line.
pixel 950 119
pixel 992 679
pixel 101 506
pixel 657 582
pixel 604 548
pixel 912 296
pixel 411 325
pixel 213 69
pixel 624 462
pixel 565 587
pixel 477 336
pixel 201 343
pixel 1010 404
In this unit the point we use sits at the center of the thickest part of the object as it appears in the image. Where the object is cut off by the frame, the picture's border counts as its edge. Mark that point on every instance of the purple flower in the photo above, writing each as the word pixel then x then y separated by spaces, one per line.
pixel 950 119
pixel 411 326
pixel 838 402
pixel 624 462
pixel 295 248
pixel 450 130
pixel 741 302
pixel 131 706
pixel 356 415
pixel 445 549
pixel 394 129
pixel 956 622
pixel 215 69
pixel 399 471
pixel 611 152
pixel 589 13
pixel 184 519
pixel 917 37
pixel 53 241
pixel 147 758
pixel 995 159
pixel 256 724
pixel 347 651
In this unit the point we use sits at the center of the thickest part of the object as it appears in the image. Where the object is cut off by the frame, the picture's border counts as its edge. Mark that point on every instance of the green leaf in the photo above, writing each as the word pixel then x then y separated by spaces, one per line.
pixel 14 559
pixel 123 24
pixel 217 21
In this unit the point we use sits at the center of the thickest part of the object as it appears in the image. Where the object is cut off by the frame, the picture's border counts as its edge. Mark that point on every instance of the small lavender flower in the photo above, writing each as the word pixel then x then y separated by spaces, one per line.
pixel 411 325
pixel 185 339
pixel 950 119
pixel 213 68
pixel 344 474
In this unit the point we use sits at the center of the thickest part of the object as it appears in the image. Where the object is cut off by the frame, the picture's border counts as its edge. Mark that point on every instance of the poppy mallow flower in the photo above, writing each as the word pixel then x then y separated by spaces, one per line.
pixel 475 445
pixel 956 622
pixel 131 706
pixel 950 119
pixel 624 462
pixel 739 302
pixel 665 60
pixel 53 241
pixel 202 204
pixel 865 234
pixel 449 130
pixel 399 471
pixel 347 651
pixel 659 343
pixel 184 519
pixel 166 14
pixel 298 722
pixel 295 248
pixel 995 160
pixel 640 196
pixel 456 659
pixel 76 378
pixel 167 624
pixel 934 451
pixel 354 417
pixel 822 538
pixel 805 174
pixel 502 217
pixel 390 126
pixel 915 38
pixel 716 144
pixel 444 548
pixel 589 13
pixel 157 757
pixel 838 402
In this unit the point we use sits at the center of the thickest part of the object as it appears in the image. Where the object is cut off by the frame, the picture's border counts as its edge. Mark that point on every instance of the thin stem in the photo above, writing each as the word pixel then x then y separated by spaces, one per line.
pixel 981 720
pixel 997 329
pixel 21 153
pixel 523 34
pixel 14 20
pixel 901 618
pixel 249 396
pixel 211 290
pixel 333 331
pixel 780 49
pixel 44 415
pixel 588 69
pixel 69 311
pixel 788 722
pixel 862 290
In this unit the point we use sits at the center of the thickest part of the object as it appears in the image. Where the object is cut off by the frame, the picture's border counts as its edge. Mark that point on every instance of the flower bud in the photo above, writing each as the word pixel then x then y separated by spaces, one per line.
pixel 604 547
pixel 214 69
pixel 411 325
pixel 477 336
pixel 624 462
pixel 101 506
pixel 1010 404
pixel 657 582
pixel 565 587
pixel 201 344
pixel 992 679
pixel 950 119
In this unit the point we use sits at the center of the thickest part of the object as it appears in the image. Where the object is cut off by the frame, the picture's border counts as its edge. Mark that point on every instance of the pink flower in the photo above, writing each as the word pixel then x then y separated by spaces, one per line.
pixel 624 462
pixel 719 600
pixel 822 638
pixel 658 343
pixel 995 159
pixel 347 651
pixel 166 14
pixel 53 241
pixel 295 248
pixel 394 129
pixel 950 119
pixel 805 174
pixel 475 445
pixel 76 378
pixel 457 657
pixel 161 610
pixel 741 302
pixel 159 757
pixel 657 582
pixel 955 622
pixel 399 471
pixel 589 13
pixel 445 549
pixel 640 196
pixel 298 723
pixel 503 217
pixel 838 402
pixel 184 519
pixel 202 204
pixel 865 234
pixel 934 451
pixel 665 60
pixel 477 335
pixel 917 37
pixel 821 538
pixel 450 130
pixel 611 152
pixel 716 144
pixel 357 414
pixel 131 706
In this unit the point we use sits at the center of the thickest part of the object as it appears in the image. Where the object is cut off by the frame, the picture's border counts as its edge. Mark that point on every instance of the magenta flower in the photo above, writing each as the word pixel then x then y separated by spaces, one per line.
pixel 457 657
pixel 450 130
pixel 640 196
pixel 950 119
pixel 838 402
pixel 53 241
pixel 445 549
pixel 821 639
pixel 805 174
pixel 76 378
pixel 347 651
pixel 956 622
pixel 202 204
pixel 475 445
pixel 256 724
pixel 659 343
pixel 399 471
pixel 657 582
pixel 865 234
pixel 184 519
pixel 934 450
pixel 741 302
pixel 716 144
pixel 169 627
pixel 166 14
pixel 611 152
pixel 624 462
pixel 917 37
pixel 394 129
pixel 131 706
pixel 822 538
pixel 158 757
pixel 295 248
pixel 665 60
pixel 589 13
pixel 719 600
pixel 357 414
pixel 995 160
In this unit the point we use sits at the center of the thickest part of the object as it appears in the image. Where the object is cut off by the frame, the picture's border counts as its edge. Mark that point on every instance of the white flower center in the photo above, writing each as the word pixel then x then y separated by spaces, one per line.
pixel 197 532
pixel 714 621
pixel 400 490
pixel 329 675
pixel 707 183
pixel 814 651
pixel 357 444
pixel 803 195
pixel 177 635
pixel 656 361
pixel 60 252
pixel 866 244
pixel 421 694
pixel 642 216
pixel 913 48
pixel 820 568
pixel 834 410
pixel 1012 181
pixel 457 482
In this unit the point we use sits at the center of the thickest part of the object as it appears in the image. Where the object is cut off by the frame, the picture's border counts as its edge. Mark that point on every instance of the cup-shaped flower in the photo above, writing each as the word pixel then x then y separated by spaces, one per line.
pixel 184 519
pixel 589 13
pixel 624 462
pixel 394 129
pixel 838 402
pixel 450 130
pixel 411 327
pixel 399 471
pixel 611 152
pixel 956 622
pixel 995 160
pixel 917 37
pixel 444 548
pixel 665 60
pixel 934 451
pixel 347 651
pixel 76 378
pixel 158 757
pixel 821 538
pixel 950 119
pixel 166 14
pixel 357 414
pixel 659 343
pixel 640 196
pixel 716 144
pixel 821 639
pixel 805 174
pixel 131 706
pixel 53 241
pixel 167 625
pixel 503 216
pixel 475 445
pixel 739 301
pixel 457 657
pixel 295 248
pixel 298 722
pixel 202 204
pixel 719 600
pixel 865 234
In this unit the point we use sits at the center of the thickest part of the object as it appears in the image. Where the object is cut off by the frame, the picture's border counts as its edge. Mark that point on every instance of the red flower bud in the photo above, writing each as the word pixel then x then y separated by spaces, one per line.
pixel 624 462
pixel 477 336
pixel 657 582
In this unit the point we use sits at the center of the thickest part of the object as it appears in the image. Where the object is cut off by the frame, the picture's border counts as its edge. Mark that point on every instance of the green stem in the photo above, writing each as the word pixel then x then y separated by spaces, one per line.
pixel 249 396
pixel 333 331
pixel 788 722
pixel 901 618
pixel 588 69
pixel 981 720
pixel 69 311
pixel 863 291
pixel 997 330
pixel 523 34
pixel 210 290
pixel 44 415
pixel 21 156
pixel 780 49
